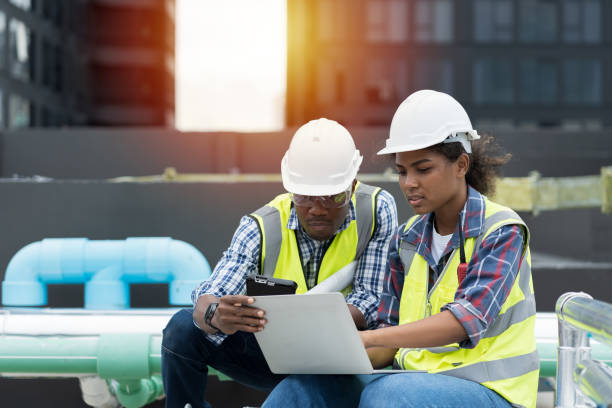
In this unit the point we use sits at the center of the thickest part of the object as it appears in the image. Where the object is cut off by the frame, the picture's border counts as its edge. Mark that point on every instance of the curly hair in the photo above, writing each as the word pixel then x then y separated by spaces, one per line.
pixel 486 161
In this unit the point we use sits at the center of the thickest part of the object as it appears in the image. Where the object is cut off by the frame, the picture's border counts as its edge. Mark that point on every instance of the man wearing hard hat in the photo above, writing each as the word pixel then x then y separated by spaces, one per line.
pixel 457 309
pixel 326 221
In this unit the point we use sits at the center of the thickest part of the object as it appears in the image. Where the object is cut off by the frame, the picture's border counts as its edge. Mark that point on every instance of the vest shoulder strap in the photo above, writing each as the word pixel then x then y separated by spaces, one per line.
pixel 504 216
pixel 407 251
pixel 271 241
pixel 365 212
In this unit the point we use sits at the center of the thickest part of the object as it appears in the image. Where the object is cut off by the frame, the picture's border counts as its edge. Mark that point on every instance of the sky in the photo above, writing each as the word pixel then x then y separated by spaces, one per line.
pixel 230 65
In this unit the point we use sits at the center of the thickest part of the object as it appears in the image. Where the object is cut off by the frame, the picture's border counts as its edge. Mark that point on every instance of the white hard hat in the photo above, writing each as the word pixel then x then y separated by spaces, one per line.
pixel 321 160
pixel 427 118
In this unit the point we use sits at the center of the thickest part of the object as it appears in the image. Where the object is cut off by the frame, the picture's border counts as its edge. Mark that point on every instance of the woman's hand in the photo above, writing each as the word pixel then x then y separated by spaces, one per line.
pixel 365 337
pixel 433 331
pixel 380 357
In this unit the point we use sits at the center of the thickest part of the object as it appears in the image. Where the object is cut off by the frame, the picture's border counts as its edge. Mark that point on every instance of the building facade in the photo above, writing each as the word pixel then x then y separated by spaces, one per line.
pixel 86 63
pixel 511 63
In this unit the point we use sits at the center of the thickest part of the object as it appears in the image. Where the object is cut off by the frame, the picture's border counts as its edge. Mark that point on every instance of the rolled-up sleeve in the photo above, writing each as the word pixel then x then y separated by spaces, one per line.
pixel 369 273
pixel 240 260
pixel 490 276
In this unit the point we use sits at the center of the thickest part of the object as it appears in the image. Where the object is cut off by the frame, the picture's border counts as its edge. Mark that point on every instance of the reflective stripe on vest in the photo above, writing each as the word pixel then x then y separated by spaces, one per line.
pixel 495 370
pixel 512 371
pixel 515 313
pixel 271 226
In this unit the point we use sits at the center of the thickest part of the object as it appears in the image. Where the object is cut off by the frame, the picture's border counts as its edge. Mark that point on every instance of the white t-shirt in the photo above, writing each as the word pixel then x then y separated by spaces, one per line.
pixel 438 244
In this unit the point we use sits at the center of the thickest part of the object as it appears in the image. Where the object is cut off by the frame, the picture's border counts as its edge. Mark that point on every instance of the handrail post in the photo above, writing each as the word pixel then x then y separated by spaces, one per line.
pixel 574 347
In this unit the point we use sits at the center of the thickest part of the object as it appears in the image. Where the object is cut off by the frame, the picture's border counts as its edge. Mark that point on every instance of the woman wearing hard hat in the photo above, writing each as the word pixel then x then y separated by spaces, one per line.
pixel 458 302
pixel 458 298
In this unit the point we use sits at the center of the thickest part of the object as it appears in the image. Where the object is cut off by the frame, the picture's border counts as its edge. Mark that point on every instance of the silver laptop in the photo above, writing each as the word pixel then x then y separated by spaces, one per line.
pixel 312 334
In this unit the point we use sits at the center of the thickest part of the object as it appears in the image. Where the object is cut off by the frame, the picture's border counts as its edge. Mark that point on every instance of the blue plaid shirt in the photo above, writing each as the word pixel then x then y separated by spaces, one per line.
pixel 490 274
pixel 241 259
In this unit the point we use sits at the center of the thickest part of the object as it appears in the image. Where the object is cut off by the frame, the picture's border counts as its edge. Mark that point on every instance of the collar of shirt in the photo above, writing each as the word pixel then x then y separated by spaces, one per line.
pixel 420 232
pixel 294 223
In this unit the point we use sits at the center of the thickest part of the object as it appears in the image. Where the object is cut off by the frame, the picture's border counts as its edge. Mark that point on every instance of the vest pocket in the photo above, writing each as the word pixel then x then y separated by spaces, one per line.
pixel 442 295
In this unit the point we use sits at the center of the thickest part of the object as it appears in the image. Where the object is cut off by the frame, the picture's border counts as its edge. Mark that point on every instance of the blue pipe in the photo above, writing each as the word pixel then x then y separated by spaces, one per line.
pixel 105 267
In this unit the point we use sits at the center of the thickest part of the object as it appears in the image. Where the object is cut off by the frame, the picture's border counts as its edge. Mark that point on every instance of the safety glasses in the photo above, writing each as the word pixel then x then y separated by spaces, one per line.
pixel 328 201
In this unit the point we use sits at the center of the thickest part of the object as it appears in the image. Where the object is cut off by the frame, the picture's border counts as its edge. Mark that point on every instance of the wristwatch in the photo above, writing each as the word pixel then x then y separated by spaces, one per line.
pixel 210 312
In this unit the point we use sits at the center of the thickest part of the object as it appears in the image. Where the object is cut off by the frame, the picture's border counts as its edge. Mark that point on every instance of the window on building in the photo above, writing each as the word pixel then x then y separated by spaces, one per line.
pixel 20 50
pixel 387 21
pixel 26 4
pixel 386 81
pixel 493 81
pixel 332 19
pixel 582 82
pixel 330 82
pixel 538 82
pixel 49 118
pixel 2 125
pixel 19 112
pixel 47 62
pixel 339 87
pixel 581 125
pixel 581 21
pixel 2 38
pixel 58 83
pixel 52 66
pixel 433 21
pixel 53 11
pixel 433 74
pixel 538 21
pixel 493 20
pixel 487 125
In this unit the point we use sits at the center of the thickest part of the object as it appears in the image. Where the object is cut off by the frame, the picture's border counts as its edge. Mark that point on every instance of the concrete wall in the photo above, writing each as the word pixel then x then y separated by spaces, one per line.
pixel 206 215
pixel 93 153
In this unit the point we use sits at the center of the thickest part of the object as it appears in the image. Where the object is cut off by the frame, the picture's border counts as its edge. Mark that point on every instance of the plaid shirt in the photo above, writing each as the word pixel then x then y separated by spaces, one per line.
pixel 241 259
pixel 490 274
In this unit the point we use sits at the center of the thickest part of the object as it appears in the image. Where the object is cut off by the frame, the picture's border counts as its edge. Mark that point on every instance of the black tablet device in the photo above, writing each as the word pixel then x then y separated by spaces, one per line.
pixel 257 285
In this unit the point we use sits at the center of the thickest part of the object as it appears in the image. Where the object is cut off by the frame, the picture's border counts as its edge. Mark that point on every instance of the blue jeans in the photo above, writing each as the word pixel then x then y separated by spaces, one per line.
pixel 418 390
pixel 187 353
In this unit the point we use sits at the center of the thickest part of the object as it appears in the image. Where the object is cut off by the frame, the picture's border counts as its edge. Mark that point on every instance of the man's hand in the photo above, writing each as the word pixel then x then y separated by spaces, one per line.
pixel 232 314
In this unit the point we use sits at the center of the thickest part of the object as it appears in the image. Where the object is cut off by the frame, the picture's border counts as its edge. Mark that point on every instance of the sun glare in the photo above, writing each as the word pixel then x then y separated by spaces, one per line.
pixel 230 65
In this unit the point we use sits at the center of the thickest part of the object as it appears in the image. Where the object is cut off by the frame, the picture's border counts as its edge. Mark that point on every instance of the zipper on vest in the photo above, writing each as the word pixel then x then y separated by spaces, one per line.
pixel 325 248
pixel 428 305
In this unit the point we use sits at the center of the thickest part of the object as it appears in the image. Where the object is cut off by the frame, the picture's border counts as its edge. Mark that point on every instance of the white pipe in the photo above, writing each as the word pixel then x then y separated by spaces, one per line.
pixel 95 392
pixel 80 322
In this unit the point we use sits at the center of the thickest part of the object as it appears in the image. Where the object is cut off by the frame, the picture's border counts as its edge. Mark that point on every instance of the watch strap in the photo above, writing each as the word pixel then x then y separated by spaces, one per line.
pixel 210 312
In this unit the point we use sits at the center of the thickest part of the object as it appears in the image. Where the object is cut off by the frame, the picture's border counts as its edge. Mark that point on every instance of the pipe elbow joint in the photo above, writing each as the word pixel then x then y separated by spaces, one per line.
pixel 564 298
pixel 188 267
pixel 107 290
pixel 138 393
pixel 22 285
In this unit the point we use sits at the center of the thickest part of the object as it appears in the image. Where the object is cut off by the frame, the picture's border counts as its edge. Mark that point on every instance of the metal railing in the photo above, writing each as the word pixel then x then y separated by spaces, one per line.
pixel 581 381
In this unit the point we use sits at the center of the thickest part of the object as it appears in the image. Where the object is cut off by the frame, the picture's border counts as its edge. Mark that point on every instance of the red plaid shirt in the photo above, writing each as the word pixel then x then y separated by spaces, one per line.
pixel 490 274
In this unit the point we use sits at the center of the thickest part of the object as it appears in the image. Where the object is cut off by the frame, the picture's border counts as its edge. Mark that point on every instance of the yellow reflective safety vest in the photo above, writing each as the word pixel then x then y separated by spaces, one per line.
pixel 279 253
pixel 505 359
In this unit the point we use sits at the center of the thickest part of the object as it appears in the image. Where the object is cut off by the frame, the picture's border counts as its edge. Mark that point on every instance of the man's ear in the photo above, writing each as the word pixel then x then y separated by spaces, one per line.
pixel 463 164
